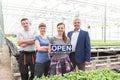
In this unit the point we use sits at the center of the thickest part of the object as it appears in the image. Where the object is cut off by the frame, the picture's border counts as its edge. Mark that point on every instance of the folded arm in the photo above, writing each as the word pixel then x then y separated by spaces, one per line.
pixel 40 48
pixel 23 42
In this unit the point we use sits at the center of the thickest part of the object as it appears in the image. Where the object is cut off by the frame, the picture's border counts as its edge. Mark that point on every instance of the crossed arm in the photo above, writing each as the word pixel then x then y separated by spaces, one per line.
pixel 23 43
pixel 40 48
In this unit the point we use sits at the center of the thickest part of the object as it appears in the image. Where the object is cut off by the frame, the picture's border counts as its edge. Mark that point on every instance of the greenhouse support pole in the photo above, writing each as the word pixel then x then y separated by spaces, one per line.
pixel 105 23
pixel 1 26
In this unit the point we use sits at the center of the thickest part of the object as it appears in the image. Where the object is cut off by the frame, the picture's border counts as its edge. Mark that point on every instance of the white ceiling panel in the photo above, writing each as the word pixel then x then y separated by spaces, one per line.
pixel 53 11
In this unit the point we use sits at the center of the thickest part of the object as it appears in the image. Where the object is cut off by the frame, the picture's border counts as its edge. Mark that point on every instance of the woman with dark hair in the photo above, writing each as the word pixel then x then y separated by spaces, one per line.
pixel 42 56
pixel 60 62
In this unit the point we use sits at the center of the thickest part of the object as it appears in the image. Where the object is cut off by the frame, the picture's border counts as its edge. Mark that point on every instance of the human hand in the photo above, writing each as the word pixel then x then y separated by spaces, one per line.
pixel 23 45
pixel 87 63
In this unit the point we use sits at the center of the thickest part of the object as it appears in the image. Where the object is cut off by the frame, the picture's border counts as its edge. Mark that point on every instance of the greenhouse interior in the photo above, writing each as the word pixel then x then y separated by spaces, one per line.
pixel 100 18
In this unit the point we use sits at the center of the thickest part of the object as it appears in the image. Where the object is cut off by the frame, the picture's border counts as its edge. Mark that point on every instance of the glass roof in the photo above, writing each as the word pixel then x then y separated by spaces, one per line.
pixel 92 12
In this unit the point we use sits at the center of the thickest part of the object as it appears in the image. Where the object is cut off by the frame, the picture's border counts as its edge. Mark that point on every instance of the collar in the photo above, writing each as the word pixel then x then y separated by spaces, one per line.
pixel 77 30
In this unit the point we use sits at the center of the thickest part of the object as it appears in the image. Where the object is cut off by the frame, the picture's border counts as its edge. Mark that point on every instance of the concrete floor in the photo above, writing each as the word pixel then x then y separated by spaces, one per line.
pixel 5 70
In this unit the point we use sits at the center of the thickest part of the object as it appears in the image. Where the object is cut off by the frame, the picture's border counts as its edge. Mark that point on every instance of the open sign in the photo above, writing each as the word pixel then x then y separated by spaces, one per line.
pixel 61 48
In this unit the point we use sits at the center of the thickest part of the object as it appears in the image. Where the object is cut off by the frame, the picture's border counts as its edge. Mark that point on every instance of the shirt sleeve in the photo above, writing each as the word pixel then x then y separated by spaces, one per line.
pixel 51 40
pixel 36 38
pixel 19 34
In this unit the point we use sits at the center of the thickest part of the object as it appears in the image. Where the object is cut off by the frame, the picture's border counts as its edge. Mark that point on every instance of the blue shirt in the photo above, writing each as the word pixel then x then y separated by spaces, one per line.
pixel 42 56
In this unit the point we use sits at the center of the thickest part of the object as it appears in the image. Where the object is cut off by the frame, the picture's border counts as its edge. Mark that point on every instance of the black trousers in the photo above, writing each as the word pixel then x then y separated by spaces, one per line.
pixel 26 62
pixel 72 58
pixel 42 69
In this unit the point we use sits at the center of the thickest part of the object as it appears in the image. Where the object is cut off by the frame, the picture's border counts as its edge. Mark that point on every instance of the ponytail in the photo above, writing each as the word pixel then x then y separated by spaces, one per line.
pixel 64 37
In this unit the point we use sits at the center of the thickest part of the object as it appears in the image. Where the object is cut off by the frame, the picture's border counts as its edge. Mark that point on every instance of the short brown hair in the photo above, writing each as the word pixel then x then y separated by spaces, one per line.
pixel 23 19
pixel 42 25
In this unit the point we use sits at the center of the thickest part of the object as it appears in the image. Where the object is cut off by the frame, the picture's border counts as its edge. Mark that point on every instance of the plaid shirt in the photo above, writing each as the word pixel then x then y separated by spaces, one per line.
pixel 57 62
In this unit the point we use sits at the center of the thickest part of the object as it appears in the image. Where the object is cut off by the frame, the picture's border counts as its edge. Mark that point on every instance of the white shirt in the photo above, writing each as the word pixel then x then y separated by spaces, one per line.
pixel 74 39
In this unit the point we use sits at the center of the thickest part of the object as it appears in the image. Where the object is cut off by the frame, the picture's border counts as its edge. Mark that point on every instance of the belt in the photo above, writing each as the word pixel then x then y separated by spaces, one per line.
pixel 27 51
